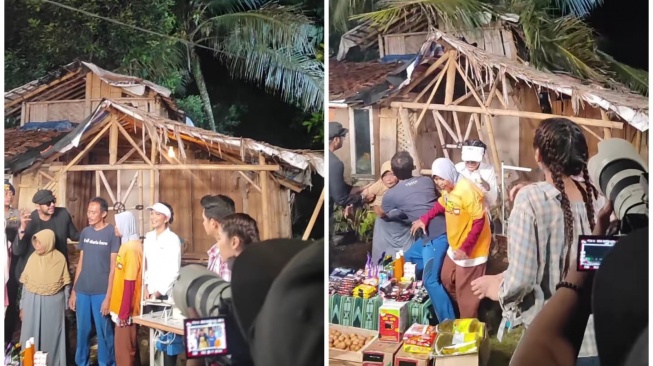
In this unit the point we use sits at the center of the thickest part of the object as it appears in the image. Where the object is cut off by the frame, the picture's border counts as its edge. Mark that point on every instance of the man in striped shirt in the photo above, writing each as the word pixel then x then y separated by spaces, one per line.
pixel 215 209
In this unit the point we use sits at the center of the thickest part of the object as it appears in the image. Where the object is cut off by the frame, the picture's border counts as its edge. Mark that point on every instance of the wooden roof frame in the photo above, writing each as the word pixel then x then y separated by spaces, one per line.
pixel 446 69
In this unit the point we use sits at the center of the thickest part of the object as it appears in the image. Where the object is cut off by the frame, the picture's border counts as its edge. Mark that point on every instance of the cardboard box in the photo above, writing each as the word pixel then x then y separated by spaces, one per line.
pixel 380 353
pixel 352 356
pixel 403 358
pixel 419 338
pixel 343 363
pixel 393 320
pixel 472 359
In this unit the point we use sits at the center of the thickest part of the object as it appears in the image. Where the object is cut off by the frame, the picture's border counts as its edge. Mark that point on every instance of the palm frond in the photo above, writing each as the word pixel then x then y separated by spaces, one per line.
pixel 295 77
pixel 341 12
pixel 635 79
pixel 279 27
pixel 461 14
pixel 561 44
pixel 579 8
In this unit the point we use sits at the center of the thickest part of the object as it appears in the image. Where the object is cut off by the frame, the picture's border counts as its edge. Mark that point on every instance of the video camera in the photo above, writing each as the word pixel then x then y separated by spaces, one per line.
pixel 621 175
pixel 215 332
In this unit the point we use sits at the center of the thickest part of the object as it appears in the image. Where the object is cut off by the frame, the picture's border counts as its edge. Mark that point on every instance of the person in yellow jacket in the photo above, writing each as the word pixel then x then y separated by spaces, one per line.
pixel 468 233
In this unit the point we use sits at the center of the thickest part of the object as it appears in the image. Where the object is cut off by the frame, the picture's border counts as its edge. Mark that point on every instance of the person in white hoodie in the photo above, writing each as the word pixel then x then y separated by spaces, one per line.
pixel 162 253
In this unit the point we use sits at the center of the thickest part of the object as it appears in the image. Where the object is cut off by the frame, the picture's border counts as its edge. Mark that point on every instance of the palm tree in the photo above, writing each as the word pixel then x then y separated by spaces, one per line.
pixel 258 40
pixel 553 31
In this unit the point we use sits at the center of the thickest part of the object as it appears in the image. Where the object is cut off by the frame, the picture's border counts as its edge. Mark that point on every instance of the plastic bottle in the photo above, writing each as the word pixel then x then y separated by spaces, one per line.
pixel 28 357
pixel 398 267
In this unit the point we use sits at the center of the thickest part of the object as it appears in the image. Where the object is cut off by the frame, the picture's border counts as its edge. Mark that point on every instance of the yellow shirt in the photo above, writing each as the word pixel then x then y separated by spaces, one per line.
pixel 128 267
pixel 464 205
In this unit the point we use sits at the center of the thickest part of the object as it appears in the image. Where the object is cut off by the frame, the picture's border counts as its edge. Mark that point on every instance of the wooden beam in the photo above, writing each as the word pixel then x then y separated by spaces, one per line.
pixel 435 89
pixel 113 142
pixel 107 186
pixel 316 212
pixel 265 198
pixel 39 89
pixel 126 156
pixel 134 144
pixel 440 135
pixel 205 167
pixel 508 112
pixel 607 133
pixel 428 72
pixel 88 147
pixel 469 127
pixel 438 116
pixel 451 81
pixel 457 124
pixel 638 141
pixel 250 181
pixel 592 133
pixel 124 197
pixel 430 84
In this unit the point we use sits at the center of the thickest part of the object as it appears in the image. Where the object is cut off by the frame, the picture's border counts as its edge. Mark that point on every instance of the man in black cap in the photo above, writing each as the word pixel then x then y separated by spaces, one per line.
pixel 340 193
pixel 46 216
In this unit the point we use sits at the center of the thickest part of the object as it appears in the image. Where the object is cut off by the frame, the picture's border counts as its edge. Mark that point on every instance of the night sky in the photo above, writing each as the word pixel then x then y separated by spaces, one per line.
pixel 623 29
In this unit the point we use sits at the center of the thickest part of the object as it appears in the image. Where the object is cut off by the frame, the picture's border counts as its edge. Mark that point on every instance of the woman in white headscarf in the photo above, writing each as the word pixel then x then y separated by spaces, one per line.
pixel 468 232
pixel 126 292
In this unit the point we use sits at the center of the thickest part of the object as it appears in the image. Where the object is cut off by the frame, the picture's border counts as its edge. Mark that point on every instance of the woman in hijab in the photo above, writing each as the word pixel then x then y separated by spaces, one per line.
pixel 126 291
pixel 46 288
pixel 468 232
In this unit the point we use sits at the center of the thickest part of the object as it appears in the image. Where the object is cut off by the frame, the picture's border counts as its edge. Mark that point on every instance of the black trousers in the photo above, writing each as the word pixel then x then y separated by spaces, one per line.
pixel 11 315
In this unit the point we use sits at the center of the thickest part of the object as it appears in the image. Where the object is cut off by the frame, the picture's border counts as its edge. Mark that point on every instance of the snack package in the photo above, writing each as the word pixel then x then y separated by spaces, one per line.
pixel 459 336
pixel 419 339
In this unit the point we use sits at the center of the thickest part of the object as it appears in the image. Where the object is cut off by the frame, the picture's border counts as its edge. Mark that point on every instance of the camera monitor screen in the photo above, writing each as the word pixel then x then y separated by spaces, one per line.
pixel 205 337
pixel 592 250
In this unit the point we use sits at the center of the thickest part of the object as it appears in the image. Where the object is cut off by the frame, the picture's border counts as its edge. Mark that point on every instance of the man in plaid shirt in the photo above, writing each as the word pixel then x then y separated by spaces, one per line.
pixel 215 209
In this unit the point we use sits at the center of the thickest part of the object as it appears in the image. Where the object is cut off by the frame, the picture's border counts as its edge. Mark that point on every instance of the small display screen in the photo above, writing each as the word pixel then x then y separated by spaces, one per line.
pixel 592 250
pixel 205 337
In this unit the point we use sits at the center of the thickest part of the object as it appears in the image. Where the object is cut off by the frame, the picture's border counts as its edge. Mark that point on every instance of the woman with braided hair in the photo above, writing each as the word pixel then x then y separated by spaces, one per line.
pixel 545 222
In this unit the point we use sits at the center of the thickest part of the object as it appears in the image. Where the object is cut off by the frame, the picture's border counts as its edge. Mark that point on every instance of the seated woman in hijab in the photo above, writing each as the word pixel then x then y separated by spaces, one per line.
pixel 468 233
pixel 46 288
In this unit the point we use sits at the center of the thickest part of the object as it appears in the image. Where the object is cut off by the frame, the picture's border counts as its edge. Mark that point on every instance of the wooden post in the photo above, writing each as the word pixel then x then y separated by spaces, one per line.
pixel 265 198
pixel 440 135
pixel 141 200
pixel 638 141
pixel 381 50
pixel 152 173
pixel 451 81
pixel 316 212
pixel 607 133
pixel 113 142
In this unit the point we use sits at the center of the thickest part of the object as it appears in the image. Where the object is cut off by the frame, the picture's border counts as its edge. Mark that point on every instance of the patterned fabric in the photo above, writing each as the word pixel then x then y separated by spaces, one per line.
pixel 536 253
pixel 217 265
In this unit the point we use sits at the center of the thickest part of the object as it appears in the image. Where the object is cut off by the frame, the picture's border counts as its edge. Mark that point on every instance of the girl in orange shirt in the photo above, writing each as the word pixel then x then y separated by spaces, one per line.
pixel 468 232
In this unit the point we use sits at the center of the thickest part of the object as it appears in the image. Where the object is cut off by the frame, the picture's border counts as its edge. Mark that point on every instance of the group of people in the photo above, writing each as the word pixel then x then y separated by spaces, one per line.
pixel 442 224
pixel 116 271
pixel 205 338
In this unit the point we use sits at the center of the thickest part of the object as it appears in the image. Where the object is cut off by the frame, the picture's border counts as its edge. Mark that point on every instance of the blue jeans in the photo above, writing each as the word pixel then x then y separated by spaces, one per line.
pixel 588 361
pixel 428 259
pixel 88 310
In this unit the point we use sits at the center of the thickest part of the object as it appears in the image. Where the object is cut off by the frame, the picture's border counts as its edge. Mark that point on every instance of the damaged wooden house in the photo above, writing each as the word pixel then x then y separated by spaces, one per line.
pixel 121 138
pixel 467 85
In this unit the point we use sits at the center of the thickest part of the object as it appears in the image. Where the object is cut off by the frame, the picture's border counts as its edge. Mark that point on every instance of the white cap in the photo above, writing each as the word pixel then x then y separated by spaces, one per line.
pixel 472 153
pixel 160 208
